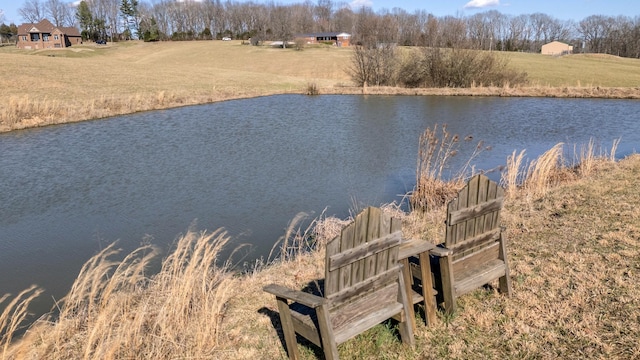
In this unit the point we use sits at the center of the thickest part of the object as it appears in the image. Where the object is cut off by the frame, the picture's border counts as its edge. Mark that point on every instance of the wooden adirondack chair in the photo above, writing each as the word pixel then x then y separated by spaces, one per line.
pixel 474 251
pixel 363 287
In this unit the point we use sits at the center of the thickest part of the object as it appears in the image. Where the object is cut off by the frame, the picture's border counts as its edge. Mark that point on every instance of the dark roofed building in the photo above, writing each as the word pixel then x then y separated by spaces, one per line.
pixel 337 38
pixel 44 35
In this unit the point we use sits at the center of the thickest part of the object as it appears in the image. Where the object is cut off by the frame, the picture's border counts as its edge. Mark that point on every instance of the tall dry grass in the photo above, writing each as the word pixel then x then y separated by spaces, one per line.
pixel 116 310
pixel 590 154
pixel 542 172
pixel 435 182
pixel 26 111
pixel 14 314
pixel 535 177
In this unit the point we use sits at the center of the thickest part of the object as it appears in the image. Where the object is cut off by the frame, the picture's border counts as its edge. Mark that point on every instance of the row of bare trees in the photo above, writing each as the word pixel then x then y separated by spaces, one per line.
pixel 60 13
pixel 206 19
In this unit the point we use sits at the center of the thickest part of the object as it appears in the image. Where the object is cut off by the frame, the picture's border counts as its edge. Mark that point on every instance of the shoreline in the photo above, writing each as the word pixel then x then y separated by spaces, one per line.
pixel 34 114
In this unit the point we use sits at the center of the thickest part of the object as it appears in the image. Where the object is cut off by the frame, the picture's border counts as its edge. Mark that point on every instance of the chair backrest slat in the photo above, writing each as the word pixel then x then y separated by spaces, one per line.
pixel 366 248
pixel 364 251
pixel 473 217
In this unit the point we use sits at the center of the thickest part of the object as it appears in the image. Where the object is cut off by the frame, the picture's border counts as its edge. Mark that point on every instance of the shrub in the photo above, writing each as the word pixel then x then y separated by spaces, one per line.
pixel 373 65
pixel 464 68
pixel 435 186
pixel 412 71
pixel 300 43
pixel 381 65
pixel 312 89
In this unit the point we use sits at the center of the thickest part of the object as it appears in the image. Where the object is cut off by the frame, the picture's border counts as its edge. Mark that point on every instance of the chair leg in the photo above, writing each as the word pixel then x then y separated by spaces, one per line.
pixel 407 318
pixel 427 289
pixel 287 328
pixel 505 285
pixel 448 292
pixel 329 346
pixel 406 277
pixel 505 281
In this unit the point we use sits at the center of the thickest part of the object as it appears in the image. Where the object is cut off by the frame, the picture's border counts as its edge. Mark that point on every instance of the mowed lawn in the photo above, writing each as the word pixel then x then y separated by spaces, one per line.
pixel 578 70
pixel 135 68
pixel 41 87
pixel 138 68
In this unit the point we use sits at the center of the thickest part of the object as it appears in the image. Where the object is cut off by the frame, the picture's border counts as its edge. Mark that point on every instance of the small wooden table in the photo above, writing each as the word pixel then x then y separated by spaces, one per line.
pixel 420 249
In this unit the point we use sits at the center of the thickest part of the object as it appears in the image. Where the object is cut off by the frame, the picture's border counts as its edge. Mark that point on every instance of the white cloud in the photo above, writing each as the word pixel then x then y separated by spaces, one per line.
pixel 477 4
pixel 356 4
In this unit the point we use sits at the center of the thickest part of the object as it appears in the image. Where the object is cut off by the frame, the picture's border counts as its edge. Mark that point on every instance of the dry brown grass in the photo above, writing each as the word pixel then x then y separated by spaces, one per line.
pixel 436 148
pixel 87 82
pixel 575 260
pixel 117 311
pixel 551 168
pixel 574 252
pixel 14 314
pixel 130 77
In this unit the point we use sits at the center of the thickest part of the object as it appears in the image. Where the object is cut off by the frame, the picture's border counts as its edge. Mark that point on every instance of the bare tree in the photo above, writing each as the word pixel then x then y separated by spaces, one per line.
pixel 344 19
pixel 54 10
pixel 478 31
pixel 365 28
pixel 373 66
pixel 323 13
pixel 373 61
pixel 68 15
pixel 431 33
pixel 281 24
pixel 498 30
pixel 453 32
pixel 594 29
pixel 302 17
pixel 31 11
pixel 110 10
pixel 625 37
pixel 491 30
pixel 387 29
pixel 408 27
pixel 518 33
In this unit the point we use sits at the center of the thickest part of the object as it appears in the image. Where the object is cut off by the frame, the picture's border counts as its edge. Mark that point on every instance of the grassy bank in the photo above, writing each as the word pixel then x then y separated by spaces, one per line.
pixel 87 82
pixel 574 252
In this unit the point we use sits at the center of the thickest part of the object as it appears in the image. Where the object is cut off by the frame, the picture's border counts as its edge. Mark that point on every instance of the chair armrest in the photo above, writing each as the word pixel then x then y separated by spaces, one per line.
pixel 441 252
pixel 304 298
pixel 413 247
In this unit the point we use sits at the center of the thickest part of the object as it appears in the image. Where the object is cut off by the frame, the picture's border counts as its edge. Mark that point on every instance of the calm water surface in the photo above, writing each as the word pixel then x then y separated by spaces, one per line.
pixel 249 166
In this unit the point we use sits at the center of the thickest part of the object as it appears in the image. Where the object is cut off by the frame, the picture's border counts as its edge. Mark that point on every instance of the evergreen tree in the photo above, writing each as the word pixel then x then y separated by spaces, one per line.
pixel 85 20
pixel 150 30
pixel 130 14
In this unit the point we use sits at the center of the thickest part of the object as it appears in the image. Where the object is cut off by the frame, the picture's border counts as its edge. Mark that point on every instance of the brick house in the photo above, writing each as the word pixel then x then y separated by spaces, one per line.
pixel 337 38
pixel 44 35
pixel 556 48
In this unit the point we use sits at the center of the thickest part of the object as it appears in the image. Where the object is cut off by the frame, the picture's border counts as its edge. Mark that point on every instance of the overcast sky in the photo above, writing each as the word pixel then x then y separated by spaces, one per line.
pixel 560 9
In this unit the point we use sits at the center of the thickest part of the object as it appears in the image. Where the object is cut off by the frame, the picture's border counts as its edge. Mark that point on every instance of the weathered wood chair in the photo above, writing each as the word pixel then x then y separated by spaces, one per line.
pixel 474 251
pixel 363 287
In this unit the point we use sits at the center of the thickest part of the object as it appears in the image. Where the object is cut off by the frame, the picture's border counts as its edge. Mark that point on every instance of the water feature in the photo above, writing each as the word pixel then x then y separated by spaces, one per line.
pixel 249 166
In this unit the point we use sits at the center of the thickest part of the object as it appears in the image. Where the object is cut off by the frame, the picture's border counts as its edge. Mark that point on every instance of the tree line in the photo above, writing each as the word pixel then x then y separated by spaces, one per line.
pixel 210 19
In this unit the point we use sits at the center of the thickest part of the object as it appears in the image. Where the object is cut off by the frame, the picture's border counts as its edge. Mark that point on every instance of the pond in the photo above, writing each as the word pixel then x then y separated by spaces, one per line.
pixel 249 166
